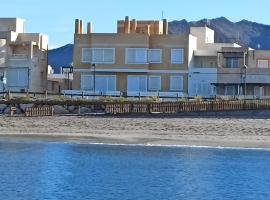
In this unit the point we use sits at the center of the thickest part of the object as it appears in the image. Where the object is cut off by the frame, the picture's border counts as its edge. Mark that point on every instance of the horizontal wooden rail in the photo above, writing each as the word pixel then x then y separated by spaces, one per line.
pixel 178 107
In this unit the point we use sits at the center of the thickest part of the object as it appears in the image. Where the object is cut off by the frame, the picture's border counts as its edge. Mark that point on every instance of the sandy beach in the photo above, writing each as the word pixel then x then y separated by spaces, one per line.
pixel 199 131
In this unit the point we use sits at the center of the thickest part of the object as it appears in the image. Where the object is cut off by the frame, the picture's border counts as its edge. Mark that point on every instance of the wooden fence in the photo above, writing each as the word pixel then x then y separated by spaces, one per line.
pixel 46 108
pixel 178 107
pixel 39 111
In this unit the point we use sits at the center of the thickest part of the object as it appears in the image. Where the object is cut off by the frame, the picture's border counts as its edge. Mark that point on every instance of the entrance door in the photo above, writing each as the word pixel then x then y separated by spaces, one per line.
pixel 258 91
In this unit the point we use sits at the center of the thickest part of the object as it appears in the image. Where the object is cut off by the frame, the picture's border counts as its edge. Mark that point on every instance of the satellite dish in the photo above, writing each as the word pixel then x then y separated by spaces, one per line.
pixel 258 46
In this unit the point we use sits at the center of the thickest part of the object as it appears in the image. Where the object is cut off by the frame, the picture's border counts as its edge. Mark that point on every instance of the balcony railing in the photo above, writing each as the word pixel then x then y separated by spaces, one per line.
pixel 18 57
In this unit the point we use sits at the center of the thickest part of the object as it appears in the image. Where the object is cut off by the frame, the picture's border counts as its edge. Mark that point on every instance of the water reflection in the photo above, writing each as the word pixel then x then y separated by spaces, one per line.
pixel 40 170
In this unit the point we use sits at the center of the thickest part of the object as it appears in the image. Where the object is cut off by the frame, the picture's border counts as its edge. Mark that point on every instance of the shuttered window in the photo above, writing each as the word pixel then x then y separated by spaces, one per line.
pixel 87 82
pixel 98 55
pixel 154 83
pixel 86 55
pixel 103 55
pixel 176 83
pixel 177 56
pixel 17 77
pixel 262 63
pixel 137 83
pixel 103 82
pixel 136 56
pixel 154 55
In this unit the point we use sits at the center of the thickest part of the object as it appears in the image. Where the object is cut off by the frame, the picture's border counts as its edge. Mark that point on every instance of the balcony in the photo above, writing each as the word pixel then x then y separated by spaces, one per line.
pixel 236 75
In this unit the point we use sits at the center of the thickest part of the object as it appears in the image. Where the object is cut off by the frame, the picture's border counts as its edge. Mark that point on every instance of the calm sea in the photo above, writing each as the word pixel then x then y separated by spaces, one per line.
pixel 44 170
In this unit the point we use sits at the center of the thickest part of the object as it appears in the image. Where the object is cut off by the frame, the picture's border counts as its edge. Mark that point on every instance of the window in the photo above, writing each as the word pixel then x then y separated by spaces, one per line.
pixel 17 77
pixel 87 82
pixel 154 83
pixel 103 55
pixel 98 55
pixel 177 56
pixel 154 55
pixel 102 82
pixel 86 55
pixel 105 83
pixel 137 83
pixel 136 56
pixel 232 62
pixel 262 63
pixel 176 83
pixel 230 90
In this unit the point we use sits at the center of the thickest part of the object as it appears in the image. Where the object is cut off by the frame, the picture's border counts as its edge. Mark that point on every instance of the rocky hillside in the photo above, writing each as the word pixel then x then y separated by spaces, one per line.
pixel 244 32
pixel 61 57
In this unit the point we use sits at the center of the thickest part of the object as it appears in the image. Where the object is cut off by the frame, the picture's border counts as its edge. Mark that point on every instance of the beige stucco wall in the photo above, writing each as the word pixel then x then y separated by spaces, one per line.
pixel 120 42
pixel 121 80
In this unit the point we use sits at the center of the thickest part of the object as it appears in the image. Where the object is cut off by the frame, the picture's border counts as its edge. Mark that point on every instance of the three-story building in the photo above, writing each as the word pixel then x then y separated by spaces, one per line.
pixel 140 59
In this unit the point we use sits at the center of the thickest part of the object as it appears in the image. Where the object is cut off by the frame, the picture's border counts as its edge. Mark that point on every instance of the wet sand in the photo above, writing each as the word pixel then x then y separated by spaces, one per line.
pixel 199 131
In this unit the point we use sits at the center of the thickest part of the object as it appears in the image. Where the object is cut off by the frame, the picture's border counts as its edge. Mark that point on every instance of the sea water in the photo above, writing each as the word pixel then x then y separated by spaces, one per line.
pixel 46 170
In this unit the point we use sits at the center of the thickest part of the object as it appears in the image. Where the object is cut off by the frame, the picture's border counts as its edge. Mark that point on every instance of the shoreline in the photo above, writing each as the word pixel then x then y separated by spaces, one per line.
pixel 138 141
pixel 183 131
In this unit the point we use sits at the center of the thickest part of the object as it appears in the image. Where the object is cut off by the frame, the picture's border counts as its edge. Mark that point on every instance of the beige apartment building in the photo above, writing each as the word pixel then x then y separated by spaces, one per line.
pixel 140 59
pixel 23 57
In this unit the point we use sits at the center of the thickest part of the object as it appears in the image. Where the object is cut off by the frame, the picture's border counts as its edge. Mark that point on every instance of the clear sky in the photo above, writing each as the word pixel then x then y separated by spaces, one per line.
pixel 56 17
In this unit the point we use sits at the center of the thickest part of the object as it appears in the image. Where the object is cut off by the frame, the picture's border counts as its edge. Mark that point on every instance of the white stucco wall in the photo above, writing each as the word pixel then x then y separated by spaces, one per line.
pixel 200 82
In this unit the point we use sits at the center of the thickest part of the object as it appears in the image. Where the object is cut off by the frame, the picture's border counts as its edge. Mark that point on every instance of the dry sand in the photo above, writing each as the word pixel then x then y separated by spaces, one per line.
pixel 225 132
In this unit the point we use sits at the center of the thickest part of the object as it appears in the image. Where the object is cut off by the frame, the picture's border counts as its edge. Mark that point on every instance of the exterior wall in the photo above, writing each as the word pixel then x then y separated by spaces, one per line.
pixel 192 47
pixel 120 41
pixel 12 25
pixel 204 36
pixel 122 78
pixel 201 82
pixel 59 82
pixel 25 52
pixel 205 61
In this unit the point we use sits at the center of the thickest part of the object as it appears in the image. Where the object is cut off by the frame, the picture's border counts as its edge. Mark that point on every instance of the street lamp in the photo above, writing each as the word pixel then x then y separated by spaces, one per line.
pixel 94 72
pixel 245 73
pixel 245 80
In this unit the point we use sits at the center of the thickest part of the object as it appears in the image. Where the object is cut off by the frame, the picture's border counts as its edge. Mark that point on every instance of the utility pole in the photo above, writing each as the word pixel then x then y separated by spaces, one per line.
pixel 94 73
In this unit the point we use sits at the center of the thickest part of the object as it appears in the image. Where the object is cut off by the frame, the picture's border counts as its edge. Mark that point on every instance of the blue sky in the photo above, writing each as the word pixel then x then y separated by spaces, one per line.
pixel 56 17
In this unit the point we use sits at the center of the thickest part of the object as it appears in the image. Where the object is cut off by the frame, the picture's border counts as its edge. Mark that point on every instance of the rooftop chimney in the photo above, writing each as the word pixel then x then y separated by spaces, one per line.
pixel 147 30
pixel 76 26
pixel 165 27
pixel 89 28
pixel 81 27
pixel 133 26
pixel 127 25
